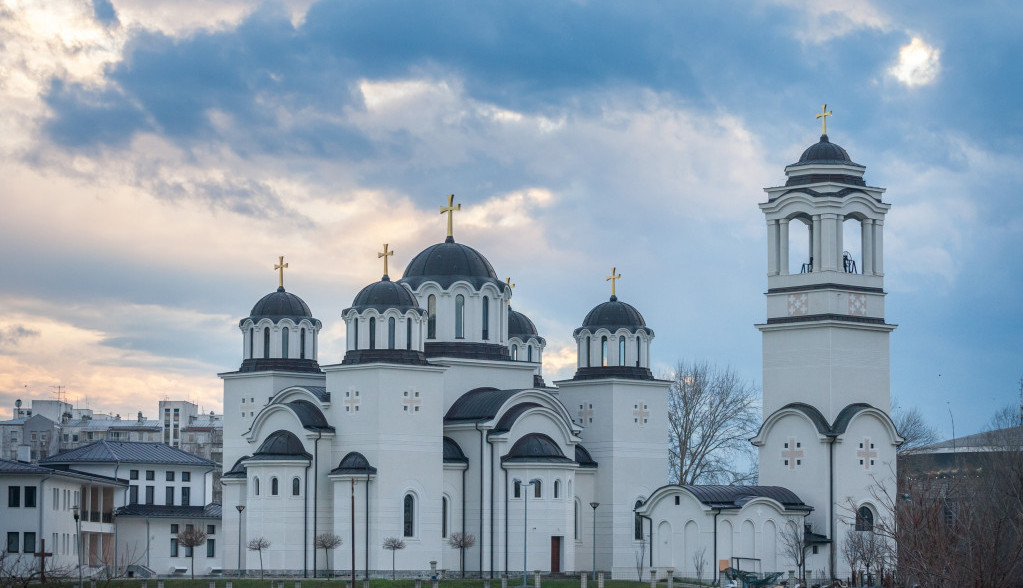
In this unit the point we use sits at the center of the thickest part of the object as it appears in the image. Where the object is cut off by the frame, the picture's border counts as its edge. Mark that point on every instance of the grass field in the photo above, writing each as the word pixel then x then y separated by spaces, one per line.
pixel 376 583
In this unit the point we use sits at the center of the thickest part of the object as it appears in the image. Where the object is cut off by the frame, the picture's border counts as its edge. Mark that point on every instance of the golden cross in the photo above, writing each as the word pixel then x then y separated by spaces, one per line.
pixel 508 282
pixel 613 277
pixel 825 113
pixel 450 209
pixel 279 266
pixel 385 255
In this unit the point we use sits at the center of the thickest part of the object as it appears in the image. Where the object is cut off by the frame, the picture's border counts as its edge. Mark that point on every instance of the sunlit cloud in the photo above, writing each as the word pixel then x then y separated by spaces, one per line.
pixel 823 21
pixel 918 64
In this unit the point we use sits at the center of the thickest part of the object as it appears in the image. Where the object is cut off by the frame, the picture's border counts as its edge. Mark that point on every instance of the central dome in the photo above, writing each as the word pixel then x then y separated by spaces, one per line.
pixel 449 262
pixel 613 315
pixel 281 304
pixel 825 152
pixel 384 294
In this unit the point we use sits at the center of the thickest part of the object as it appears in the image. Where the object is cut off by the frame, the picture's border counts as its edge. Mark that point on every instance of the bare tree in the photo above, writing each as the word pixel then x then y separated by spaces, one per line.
pixel 393 544
pixel 712 413
pixel 259 544
pixel 327 542
pixel 193 536
pixel 700 562
pixel 872 550
pixel 793 546
pixel 851 550
pixel 912 427
pixel 461 542
pixel 640 558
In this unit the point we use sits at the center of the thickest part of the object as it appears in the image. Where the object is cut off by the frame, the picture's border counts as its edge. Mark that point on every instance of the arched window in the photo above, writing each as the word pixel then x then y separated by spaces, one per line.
pixel 409 513
pixel 637 533
pixel 355 324
pixel 431 317
pixel 444 516
pixel 372 332
pixel 517 489
pixel 390 333
pixel 638 343
pixel 515 352
pixel 588 351
pixel 864 519
pixel 557 488
pixel 529 353
pixel 537 489
pixel 486 318
pixel 252 336
pixel 603 351
pixel 255 486
pixel 301 342
pixel 284 343
pixel 621 349
pixel 408 333
pixel 274 487
pixel 296 486
pixel 266 342
pixel 459 317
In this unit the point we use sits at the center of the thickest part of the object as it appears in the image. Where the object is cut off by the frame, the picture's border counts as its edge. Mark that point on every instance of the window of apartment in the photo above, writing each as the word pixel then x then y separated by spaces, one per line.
pixel 169 498
pixel 13 496
pixel 12 542
pixel 186 496
pixel 133 494
pixel 133 475
pixel 150 494
pixel 29 543
pixel 211 529
pixel 170 476
pixel 186 476
pixel 56 499
pixel 150 474
pixel 30 496
pixel 174 528
pixel 74 438
pixel 174 547
pixel 211 547
pixel 517 489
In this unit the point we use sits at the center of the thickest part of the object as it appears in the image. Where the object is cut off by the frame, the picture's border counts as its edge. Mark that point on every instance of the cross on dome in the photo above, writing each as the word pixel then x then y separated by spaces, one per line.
pixel 824 114
pixel 613 277
pixel 280 266
pixel 385 254
pixel 450 209
pixel 508 282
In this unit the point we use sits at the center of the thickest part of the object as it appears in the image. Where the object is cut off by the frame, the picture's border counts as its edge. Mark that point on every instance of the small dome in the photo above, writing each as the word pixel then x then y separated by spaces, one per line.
pixel 825 152
pixel 238 470
pixel 520 326
pixel 452 452
pixel 583 458
pixel 448 262
pixel 281 445
pixel 280 304
pixel 384 294
pixel 613 315
pixel 535 447
pixel 354 463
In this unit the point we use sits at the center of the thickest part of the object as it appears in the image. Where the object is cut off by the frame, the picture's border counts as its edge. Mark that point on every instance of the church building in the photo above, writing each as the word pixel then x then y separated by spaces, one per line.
pixel 438 419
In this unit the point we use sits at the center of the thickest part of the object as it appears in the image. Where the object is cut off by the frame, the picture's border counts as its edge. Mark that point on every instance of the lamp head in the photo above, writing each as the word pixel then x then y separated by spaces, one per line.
pixel 74 511
pixel 594 505
pixel 240 508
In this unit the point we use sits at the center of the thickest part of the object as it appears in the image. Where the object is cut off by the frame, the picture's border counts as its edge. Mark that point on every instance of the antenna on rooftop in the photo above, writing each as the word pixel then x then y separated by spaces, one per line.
pixel 59 392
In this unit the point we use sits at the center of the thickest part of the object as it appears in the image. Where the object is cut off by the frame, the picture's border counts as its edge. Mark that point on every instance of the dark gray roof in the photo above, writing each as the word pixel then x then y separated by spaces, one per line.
pixel 825 151
pixel 452 452
pixel 278 305
pixel 479 404
pixel 998 439
pixel 613 315
pixel 536 447
pixel 210 511
pixel 583 458
pixel 842 420
pixel 511 415
pixel 821 423
pixel 238 469
pixel 383 295
pixel 354 463
pixel 737 496
pixel 520 326
pixel 448 262
pixel 320 392
pixel 15 468
pixel 281 445
pixel 127 452
pixel 309 415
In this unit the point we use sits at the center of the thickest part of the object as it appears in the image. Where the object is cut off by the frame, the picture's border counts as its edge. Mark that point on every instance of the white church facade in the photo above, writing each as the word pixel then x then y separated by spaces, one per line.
pixel 437 420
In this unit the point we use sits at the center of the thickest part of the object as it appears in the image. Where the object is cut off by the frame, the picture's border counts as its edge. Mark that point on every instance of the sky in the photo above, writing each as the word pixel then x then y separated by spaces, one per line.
pixel 158 156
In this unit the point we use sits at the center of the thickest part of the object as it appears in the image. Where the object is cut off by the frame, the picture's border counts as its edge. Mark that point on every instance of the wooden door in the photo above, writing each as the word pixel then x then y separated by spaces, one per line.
pixel 555 555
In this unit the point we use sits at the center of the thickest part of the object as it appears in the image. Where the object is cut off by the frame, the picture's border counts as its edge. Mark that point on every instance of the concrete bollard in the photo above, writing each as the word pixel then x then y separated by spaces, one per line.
pixel 671 577
pixel 159 584
pixel 213 584
pixel 504 581
pixel 653 577
pixel 365 584
pixel 582 580
pixel 145 584
pixel 227 584
pixel 419 583
pixel 600 579
pixel 536 578
pixel 486 582
pixel 298 584
pixel 436 583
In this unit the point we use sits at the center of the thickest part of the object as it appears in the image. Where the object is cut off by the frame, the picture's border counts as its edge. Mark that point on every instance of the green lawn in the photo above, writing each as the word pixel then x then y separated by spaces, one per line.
pixel 513 582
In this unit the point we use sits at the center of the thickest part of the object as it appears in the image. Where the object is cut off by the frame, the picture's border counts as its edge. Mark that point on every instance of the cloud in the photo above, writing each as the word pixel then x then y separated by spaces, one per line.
pixel 823 21
pixel 918 65
pixel 13 334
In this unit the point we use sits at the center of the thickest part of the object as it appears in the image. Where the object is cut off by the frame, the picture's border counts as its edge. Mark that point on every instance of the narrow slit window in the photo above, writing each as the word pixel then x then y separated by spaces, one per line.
pixel 486 318
pixel 621 350
pixel 301 343
pixel 372 333
pixel 285 333
pixel 431 320
pixel 603 351
pixel 266 342
pixel 459 317
pixel 390 333
pixel 408 333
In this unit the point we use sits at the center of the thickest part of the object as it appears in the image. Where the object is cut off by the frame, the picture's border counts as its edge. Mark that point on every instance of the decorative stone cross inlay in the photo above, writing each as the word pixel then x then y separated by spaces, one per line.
pixel 858 304
pixel 866 454
pixel 640 414
pixel 797 304
pixel 352 401
pixel 792 454
pixel 411 401
pixel 585 413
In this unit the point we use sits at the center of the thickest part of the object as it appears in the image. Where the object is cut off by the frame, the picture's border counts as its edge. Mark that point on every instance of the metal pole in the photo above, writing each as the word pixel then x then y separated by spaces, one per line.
pixel 240 508
pixel 78 541
pixel 594 506
pixel 525 528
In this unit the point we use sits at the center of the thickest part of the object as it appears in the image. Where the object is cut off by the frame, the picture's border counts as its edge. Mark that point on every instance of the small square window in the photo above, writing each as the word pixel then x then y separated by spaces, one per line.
pixel 677 501
pixel 133 474
pixel 786 462
pixel 786 445
pixel 211 529
pixel 861 446
pixel 174 528
pixel 861 462
pixel 150 474
pixel 170 476
pixel 186 476
pixel 799 462
pixel 798 444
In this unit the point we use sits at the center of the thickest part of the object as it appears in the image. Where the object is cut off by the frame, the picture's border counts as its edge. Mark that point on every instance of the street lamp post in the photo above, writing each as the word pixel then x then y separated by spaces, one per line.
pixel 78 540
pixel 240 508
pixel 594 506
pixel 525 524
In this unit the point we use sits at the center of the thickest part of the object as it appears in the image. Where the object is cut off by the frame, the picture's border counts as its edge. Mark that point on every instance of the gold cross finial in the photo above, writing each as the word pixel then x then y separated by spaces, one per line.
pixel 508 282
pixel 450 209
pixel 385 255
pixel 613 277
pixel 825 113
pixel 279 266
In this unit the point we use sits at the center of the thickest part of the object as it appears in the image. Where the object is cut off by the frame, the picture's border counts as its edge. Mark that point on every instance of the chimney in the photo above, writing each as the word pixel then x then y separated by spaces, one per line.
pixel 25 453
pixel 141 418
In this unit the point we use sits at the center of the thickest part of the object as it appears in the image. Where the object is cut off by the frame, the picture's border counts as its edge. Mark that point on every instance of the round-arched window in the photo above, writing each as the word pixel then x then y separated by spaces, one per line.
pixel 273 487
pixel 296 486
pixel 408 516
pixel 864 519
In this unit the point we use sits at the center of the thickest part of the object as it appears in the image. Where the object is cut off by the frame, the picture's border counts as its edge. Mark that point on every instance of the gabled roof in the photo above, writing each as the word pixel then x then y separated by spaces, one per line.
pixel 128 452
pixel 210 511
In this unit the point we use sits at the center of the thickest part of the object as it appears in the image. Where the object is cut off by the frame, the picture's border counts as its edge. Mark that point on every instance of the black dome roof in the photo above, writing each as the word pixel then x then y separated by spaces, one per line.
pixel 384 294
pixel 281 304
pixel 354 463
pixel 535 447
pixel 448 262
pixel 825 152
pixel 520 326
pixel 281 445
pixel 613 315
